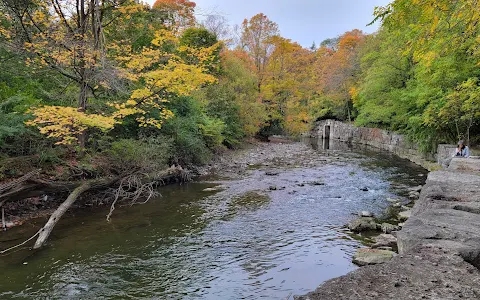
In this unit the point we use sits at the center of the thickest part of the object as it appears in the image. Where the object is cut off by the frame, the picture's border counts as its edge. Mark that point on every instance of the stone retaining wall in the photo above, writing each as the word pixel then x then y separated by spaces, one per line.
pixel 379 138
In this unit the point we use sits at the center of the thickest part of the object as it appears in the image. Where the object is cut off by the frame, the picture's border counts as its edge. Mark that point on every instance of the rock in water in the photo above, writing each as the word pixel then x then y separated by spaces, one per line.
pixel 366 213
pixel 392 200
pixel 367 256
pixel 388 228
pixel 362 224
pixel 316 183
pixel 272 173
pixel 385 240
pixel 416 188
pixel 404 215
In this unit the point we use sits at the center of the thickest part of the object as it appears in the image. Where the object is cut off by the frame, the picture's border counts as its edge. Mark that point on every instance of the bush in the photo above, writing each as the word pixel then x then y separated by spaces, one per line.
pixel 146 154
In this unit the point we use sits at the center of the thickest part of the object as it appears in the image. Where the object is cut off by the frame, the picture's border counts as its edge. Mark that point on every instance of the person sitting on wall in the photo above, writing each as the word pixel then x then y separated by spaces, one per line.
pixel 462 150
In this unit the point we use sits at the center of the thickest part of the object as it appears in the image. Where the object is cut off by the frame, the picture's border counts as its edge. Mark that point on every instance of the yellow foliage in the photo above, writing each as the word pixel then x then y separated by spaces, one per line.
pixel 66 123
pixel 163 74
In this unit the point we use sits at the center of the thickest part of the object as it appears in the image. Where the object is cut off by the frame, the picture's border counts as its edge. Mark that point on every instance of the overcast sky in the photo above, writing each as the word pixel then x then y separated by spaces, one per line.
pixel 303 21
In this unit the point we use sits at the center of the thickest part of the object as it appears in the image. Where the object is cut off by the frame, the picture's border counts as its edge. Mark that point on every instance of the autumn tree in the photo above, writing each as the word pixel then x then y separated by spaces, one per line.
pixel 288 87
pixel 256 39
pixel 176 13
pixel 68 37
pixel 74 45
pixel 337 70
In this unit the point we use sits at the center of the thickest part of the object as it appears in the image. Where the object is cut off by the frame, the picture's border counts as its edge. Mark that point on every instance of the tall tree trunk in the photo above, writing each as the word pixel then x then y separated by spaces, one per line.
pixel 82 106
pixel 82 97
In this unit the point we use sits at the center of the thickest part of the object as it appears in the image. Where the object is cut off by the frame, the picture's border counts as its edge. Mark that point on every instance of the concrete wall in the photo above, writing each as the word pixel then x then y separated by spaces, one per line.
pixel 379 138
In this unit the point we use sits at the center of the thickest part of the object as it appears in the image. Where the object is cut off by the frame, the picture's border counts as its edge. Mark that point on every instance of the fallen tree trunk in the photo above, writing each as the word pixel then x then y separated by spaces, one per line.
pixel 55 217
pixel 62 209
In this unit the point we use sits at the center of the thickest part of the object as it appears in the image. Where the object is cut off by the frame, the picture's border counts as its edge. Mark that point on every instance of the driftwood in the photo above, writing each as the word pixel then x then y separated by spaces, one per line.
pixel 31 185
pixel 44 233
pixel 130 187
pixel 143 186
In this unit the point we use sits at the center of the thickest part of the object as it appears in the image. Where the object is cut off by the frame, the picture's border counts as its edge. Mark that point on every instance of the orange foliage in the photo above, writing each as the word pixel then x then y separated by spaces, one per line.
pixel 242 55
pixel 174 3
pixel 180 12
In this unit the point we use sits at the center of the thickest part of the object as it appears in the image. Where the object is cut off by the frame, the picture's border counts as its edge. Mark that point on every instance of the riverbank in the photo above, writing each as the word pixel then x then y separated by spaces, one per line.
pixel 439 246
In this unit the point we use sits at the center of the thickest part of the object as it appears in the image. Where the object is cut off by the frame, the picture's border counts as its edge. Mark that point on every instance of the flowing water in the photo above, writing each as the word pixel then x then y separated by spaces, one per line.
pixel 258 237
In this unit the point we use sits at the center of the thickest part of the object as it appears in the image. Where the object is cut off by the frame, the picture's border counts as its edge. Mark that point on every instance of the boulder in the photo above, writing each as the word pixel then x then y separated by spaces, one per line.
pixel 469 165
pixel 385 240
pixel 362 224
pixel 450 229
pixel 367 256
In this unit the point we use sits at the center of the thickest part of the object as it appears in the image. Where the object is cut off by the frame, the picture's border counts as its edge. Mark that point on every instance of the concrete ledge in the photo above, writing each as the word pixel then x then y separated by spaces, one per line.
pixel 470 165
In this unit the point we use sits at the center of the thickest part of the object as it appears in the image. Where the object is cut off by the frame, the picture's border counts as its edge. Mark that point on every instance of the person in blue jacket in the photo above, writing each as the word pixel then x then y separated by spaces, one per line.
pixel 462 150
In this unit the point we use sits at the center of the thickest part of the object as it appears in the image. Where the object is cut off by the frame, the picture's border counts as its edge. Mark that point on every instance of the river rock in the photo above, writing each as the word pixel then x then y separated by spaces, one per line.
pixel 385 248
pixel 413 195
pixel 391 200
pixel 272 173
pixel 388 228
pixel 316 183
pixel 404 215
pixel 366 213
pixel 364 189
pixel 416 188
pixel 362 224
pixel 385 240
pixel 273 188
pixel 367 256
pixel 210 190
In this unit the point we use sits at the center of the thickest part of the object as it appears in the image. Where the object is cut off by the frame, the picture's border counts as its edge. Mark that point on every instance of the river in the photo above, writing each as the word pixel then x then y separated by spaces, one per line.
pixel 257 237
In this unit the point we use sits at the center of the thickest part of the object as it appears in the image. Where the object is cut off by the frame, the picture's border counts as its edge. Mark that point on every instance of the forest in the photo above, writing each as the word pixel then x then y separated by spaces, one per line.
pixel 109 92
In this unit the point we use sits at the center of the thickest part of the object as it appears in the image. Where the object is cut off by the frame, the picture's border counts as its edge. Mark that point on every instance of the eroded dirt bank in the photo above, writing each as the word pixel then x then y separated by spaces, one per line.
pixel 439 246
